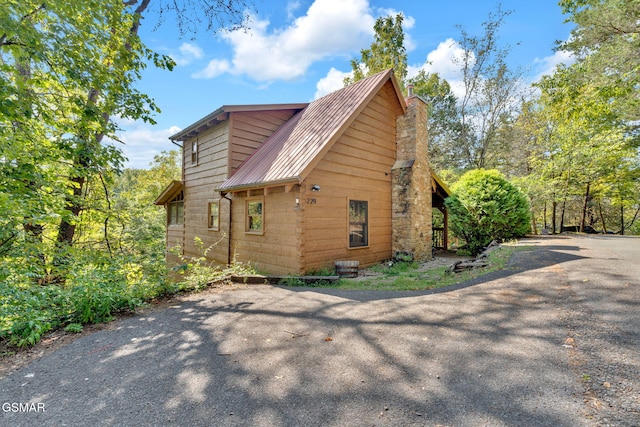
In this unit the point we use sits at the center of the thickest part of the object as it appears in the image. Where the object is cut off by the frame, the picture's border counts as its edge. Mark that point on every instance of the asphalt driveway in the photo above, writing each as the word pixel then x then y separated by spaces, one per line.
pixel 551 341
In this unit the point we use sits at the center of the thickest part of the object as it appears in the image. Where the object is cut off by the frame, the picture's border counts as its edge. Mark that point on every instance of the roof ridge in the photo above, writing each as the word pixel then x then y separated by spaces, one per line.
pixel 291 151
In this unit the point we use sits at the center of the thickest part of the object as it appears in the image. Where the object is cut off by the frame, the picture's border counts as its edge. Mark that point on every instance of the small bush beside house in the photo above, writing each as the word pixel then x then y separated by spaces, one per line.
pixel 485 206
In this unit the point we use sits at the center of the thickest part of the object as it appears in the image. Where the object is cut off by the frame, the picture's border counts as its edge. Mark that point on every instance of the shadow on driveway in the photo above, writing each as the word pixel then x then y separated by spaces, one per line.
pixel 274 356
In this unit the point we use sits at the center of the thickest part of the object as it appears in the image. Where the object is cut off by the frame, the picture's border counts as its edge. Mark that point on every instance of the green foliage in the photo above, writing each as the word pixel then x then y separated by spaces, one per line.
pixel 443 118
pixel 74 328
pixel 386 51
pixel 27 312
pixel 485 206
pixel 582 155
pixel 326 271
pixel 79 239
pixel 488 100
pixel 605 40
pixel 98 291
pixel 199 273
pixel 395 268
pixel 99 288
pixel 27 333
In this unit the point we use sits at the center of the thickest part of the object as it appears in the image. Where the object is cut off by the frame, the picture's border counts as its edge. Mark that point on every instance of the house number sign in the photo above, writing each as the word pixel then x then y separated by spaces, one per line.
pixel 311 201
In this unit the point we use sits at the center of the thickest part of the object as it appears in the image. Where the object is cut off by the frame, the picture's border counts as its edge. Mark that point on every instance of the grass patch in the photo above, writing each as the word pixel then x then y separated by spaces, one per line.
pixel 405 276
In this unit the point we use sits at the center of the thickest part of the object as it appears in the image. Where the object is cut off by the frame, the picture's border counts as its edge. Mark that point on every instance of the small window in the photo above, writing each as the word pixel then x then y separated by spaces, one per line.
pixel 175 210
pixel 194 151
pixel 254 220
pixel 214 216
pixel 358 223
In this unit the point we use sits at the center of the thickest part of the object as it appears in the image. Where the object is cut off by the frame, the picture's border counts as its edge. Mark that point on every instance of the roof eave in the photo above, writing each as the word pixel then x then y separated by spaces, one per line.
pixel 207 121
pixel 259 185
pixel 222 114
pixel 169 193
pixel 441 183
pixel 398 90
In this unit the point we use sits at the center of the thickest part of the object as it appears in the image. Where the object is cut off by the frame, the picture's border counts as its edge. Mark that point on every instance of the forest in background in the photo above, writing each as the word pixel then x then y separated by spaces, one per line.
pixel 81 239
pixel 570 141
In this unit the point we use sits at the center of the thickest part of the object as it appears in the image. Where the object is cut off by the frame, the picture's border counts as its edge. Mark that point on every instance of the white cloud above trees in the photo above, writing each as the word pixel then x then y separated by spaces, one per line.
pixel 329 28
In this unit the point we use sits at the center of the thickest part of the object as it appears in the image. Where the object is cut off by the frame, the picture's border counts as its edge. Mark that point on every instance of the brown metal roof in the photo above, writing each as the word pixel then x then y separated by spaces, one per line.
pixel 292 151
pixel 222 114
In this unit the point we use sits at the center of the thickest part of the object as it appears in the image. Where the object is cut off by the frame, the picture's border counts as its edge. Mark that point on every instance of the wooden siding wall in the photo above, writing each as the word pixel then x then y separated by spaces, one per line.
pixel 250 129
pixel 200 181
pixel 175 237
pixel 277 250
pixel 356 168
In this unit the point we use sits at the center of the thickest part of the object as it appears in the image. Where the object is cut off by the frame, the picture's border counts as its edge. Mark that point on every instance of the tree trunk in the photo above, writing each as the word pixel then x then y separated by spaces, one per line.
pixel 621 219
pixel 33 231
pixel 554 207
pixel 67 228
pixel 584 207
pixel 604 225
pixel 635 217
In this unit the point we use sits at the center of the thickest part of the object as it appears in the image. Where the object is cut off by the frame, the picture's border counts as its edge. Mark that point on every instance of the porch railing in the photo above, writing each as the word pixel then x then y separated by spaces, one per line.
pixel 439 238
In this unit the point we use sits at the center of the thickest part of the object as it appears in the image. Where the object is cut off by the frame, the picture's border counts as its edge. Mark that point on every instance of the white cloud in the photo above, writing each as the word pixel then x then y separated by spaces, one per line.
pixel 142 143
pixel 444 60
pixel 188 53
pixel 292 6
pixel 547 65
pixel 332 82
pixel 329 28
pixel 213 69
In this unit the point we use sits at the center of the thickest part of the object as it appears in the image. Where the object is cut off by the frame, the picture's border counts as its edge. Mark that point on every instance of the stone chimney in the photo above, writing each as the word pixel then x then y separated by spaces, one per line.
pixel 411 185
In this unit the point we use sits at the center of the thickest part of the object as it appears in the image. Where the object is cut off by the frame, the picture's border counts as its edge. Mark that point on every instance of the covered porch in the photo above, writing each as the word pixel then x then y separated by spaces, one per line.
pixel 440 231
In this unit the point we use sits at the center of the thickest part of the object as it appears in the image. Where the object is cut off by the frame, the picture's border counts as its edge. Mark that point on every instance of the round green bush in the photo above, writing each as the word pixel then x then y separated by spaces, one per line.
pixel 485 206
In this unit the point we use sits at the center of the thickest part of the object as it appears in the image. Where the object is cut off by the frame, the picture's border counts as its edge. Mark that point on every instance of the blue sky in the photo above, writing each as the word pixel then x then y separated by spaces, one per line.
pixel 298 50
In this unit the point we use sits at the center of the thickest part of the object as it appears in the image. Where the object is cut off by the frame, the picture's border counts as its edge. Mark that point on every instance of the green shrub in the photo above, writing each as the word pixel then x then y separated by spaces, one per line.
pixel 485 206
pixel 27 333
pixel 28 312
pixel 74 328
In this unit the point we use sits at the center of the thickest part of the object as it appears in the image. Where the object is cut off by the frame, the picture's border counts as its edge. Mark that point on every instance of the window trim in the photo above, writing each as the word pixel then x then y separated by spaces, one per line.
pixel 176 201
pixel 210 224
pixel 367 223
pixel 195 153
pixel 248 230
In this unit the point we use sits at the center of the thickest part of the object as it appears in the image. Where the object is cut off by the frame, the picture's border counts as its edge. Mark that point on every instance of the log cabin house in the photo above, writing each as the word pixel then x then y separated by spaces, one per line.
pixel 293 188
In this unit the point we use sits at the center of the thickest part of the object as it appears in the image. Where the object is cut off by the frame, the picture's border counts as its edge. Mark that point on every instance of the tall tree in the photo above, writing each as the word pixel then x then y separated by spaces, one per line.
pixel 189 16
pixel 443 119
pixel 586 143
pixel 607 40
pixel 491 92
pixel 386 51
pixel 66 69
